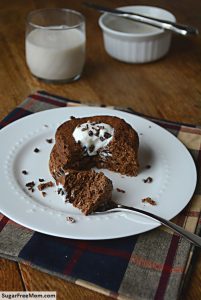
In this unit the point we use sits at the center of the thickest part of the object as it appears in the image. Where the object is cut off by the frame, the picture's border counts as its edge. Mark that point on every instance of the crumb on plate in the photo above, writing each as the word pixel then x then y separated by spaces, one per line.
pixel 120 190
pixel 149 200
pixel 70 219
pixel 44 185
pixel 148 180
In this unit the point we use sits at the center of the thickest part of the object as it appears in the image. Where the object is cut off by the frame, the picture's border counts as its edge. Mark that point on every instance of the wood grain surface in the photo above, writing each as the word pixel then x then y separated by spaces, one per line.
pixel 169 88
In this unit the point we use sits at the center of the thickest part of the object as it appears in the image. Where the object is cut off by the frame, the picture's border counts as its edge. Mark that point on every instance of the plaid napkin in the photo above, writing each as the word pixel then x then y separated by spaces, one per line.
pixel 152 265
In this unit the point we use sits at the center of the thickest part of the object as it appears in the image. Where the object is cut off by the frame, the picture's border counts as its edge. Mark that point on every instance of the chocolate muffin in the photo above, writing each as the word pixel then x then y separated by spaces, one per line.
pixel 99 141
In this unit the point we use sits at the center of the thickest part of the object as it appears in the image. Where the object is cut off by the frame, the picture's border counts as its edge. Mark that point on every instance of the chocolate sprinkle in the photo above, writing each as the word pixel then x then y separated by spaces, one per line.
pixel 30 184
pixel 102 138
pixel 50 141
pixel 107 135
pixel 59 191
pixel 70 219
pixel 41 180
pixel 90 133
pixel 44 194
pixel 148 180
pixel 72 117
pixel 24 172
pixel 97 132
pixel 36 150
pixel 120 190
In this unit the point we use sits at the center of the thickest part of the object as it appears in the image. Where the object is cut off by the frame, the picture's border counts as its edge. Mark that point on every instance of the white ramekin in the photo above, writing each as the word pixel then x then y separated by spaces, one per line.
pixel 146 45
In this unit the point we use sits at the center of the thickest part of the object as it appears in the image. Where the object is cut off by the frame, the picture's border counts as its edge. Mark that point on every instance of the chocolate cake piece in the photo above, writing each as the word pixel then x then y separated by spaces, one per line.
pixel 101 141
pixel 86 190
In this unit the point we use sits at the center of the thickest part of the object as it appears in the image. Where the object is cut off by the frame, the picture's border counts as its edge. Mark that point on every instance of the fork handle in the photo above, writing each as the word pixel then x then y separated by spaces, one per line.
pixel 193 238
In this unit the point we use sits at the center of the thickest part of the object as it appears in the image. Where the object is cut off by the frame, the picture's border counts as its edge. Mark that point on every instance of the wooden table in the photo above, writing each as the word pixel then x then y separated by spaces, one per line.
pixel 169 88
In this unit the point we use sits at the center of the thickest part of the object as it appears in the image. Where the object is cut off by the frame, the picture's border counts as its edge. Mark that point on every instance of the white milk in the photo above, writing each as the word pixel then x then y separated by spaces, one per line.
pixel 55 54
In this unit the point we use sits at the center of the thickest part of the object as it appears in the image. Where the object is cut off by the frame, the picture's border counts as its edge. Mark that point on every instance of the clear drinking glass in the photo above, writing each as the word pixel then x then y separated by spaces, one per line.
pixel 55 44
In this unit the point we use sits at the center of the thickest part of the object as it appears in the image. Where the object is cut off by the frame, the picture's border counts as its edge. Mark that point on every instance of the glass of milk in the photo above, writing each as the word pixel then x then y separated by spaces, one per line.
pixel 55 44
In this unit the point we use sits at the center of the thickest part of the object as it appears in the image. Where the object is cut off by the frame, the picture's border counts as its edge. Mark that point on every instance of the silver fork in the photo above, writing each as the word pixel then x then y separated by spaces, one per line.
pixel 191 237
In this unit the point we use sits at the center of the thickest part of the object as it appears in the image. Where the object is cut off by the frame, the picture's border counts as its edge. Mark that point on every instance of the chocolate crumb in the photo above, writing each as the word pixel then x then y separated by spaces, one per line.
pixel 97 132
pixel 148 167
pixel 148 180
pixel 90 133
pixel 107 135
pixel 50 141
pixel 44 194
pixel 72 117
pixel 70 219
pixel 149 200
pixel 24 172
pixel 36 150
pixel 41 180
pixel 120 190
pixel 44 185
pixel 30 184
pixel 59 191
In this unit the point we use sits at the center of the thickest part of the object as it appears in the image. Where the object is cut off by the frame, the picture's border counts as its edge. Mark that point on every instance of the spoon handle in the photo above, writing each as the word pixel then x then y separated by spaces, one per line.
pixel 193 238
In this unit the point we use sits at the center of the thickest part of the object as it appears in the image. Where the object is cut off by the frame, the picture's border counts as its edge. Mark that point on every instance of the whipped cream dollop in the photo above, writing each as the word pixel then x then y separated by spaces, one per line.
pixel 93 136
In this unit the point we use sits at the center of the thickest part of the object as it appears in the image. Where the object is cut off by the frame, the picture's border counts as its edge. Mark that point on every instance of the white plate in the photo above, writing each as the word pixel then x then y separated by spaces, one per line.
pixel 172 169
